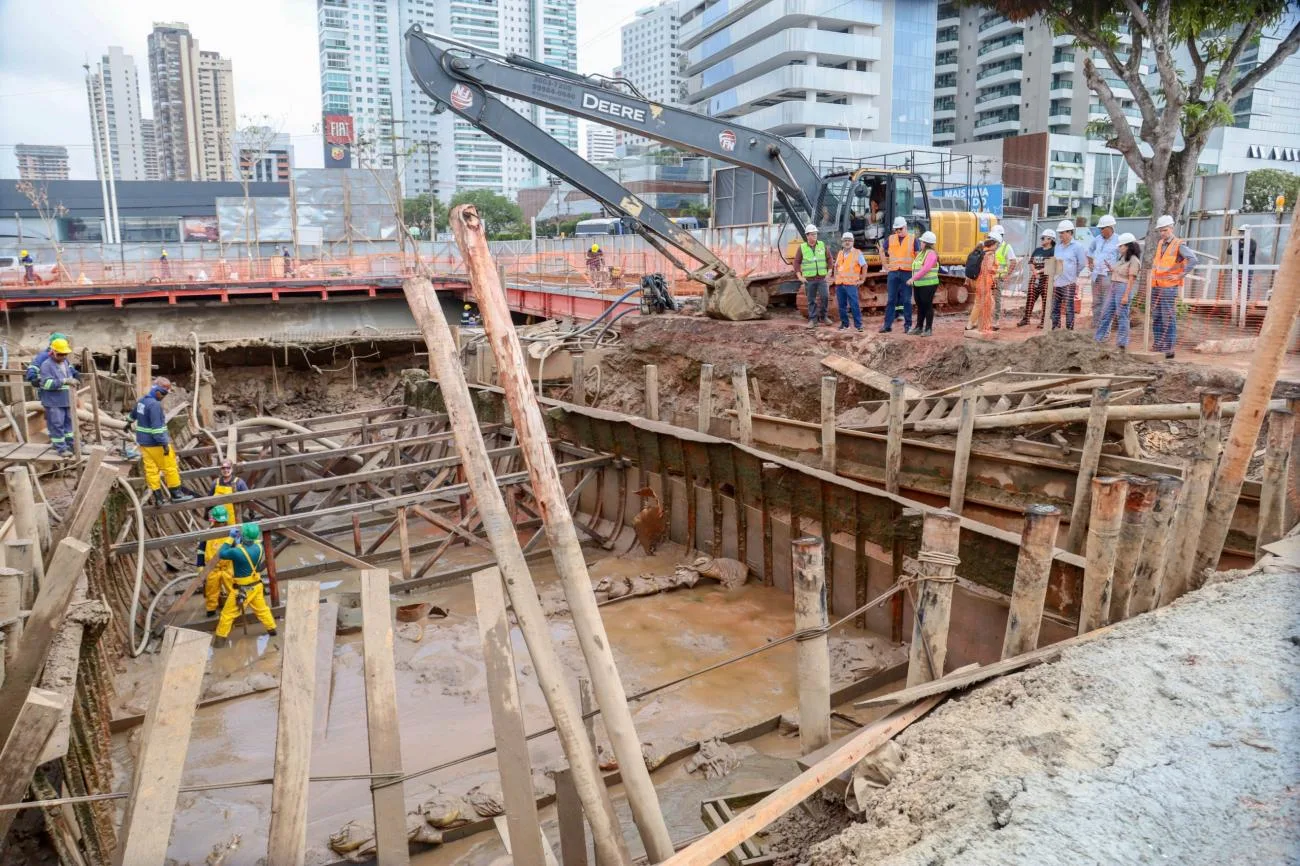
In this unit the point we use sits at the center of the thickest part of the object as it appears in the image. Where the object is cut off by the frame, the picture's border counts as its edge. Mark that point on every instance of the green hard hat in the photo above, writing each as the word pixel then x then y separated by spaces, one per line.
pixel 219 513
pixel 55 335
pixel 250 531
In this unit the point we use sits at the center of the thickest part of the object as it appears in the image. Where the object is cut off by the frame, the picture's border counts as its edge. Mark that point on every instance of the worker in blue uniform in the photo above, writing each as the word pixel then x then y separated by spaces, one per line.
pixel 32 373
pixel 56 382
pixel 157 455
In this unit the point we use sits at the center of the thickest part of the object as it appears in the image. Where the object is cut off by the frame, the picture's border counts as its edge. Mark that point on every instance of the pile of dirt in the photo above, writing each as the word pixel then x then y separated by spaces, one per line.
pixel 244 392
pixel 1170 739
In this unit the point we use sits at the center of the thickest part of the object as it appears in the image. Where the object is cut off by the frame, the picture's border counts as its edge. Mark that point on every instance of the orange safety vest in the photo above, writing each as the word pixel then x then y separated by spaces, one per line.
pixel 848 268
pixel 901 253
pixel 1167 269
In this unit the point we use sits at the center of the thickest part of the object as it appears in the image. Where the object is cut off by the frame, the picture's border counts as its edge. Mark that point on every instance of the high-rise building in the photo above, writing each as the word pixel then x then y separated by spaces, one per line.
pixel 364 74
pixel 42 161
pixel 264 156
pixel 828 74
pixel 193 106
pixel 600 143
pixel 115 85
pixel 652 56
pixel 149 142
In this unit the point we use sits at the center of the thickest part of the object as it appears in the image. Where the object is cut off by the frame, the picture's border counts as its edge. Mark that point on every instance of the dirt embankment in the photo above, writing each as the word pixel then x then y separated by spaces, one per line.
pixel 784 356
pixel 1170 740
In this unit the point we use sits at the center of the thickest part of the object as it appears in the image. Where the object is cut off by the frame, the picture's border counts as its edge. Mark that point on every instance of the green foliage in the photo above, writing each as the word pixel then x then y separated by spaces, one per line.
pixel 416 213
pixel 1263 185
pixel 504 218
pixel 1134 204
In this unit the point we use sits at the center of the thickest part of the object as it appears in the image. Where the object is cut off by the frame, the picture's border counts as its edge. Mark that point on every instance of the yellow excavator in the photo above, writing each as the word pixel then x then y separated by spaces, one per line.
pixel 469 80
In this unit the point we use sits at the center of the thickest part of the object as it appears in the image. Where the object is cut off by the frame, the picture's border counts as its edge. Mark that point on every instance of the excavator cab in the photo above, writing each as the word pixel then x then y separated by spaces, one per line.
pixel 866 201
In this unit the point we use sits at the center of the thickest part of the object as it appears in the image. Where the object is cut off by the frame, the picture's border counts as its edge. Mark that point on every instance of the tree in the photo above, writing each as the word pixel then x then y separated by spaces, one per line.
pixel 39 195
pixel 1134 204
pixel 503 217
pixel 1263 186
pixel 247 147
pixel 417 212
pixel 1187 104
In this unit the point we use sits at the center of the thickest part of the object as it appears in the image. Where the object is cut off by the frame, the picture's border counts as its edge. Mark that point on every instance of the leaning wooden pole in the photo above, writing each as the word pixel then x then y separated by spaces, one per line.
pixel 894 439
pixel 1139 501
pixel 1033 569
pixel 1272 497
pixel 1191 508
pixel 444 357
pixel 1103 538
pixel 940 537
pixel 1283 308
pixel 22 505
pixel 1092 442
pixel 560 532
pixel 1150 572
pixel 813 656
pixel 744 414
pixel 143 362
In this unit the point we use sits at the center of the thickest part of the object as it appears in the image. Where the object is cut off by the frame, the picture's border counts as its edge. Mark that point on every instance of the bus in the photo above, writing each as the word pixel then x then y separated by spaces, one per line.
pixel 611 226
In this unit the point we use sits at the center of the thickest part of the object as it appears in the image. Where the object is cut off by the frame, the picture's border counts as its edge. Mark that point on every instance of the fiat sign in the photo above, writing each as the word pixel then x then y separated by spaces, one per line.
pixel 727 139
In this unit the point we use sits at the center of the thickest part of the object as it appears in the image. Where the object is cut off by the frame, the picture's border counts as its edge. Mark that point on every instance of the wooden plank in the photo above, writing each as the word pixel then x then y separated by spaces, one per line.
pixel 503 829
pixel 513 763
pixel 147 824
pixel 37 717
pixel 568 810
pixel 866 375
pixel 326 631
pixel 381 717
pixel 294 725
pixel 47 616
pixel 961 453
pixel 798 789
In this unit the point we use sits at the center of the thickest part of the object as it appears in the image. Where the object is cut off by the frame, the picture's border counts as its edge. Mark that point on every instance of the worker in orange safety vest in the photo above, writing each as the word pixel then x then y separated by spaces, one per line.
pixel 900 250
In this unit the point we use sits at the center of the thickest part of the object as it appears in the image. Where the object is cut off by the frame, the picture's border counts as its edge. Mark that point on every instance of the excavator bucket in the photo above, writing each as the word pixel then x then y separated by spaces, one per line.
pixel 729 299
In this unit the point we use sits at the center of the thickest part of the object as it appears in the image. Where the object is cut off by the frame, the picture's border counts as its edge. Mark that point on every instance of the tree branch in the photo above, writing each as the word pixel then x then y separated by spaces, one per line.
pixel 1285 49
pixel 1198 64
pixel 1151 117
pixel 1134 65
pixel 1123 138
pixel 1139 14
pixel 1175 97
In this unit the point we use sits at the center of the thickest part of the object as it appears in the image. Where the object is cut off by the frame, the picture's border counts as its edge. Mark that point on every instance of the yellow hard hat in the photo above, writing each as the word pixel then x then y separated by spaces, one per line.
pixel 595 248
pixel 60 346
pixel 24 252
pixel 467 306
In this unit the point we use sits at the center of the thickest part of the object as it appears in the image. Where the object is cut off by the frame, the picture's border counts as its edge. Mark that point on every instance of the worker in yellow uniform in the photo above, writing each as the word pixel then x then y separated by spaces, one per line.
pixel 227 482
pixel 218 584
pixel 156 450
pixel 248 560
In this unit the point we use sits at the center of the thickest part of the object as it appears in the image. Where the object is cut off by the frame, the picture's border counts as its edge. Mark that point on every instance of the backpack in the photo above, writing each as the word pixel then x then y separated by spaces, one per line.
pixel 974 262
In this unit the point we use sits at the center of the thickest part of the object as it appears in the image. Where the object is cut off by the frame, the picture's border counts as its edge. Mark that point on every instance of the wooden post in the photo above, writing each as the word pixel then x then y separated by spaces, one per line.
pixel 143 362
pixel 813 655
pixel 1190 516
pixel 272 577
pixel 828 422
pixel 22 504
pixel 961 453
pixel 1103 535
pixel 706 398
pixel 1272 498
pixel 20 555
pixel 940 536
pixel 1092 442
pixel 1292 512
pixel 568 811
pixel 894 440
pixel 1138 502
pixel 445 359
pixel 1033 568
pixel 579 381
pixel 652 392
pixel 48 614
pixel 381 718
pixel 1270 350
pixel 566 551
pixel 404 541
pixel 37 717
pixel 11 605
pixel 1150 571
pixel 294 722
pixel 744 415
pixel 513 763
pixel 92 376
pixel 147 825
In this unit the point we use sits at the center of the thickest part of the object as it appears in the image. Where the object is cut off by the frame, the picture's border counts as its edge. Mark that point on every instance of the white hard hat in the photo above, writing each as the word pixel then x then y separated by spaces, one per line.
pixel 1106 222
pixel 997 232
pixel 847 236
pixel 929 238
pixel 1065 226
pixel 1048 233
pixel 900 223
pixel 1126 238
pixel 1165 220
pixel 811 230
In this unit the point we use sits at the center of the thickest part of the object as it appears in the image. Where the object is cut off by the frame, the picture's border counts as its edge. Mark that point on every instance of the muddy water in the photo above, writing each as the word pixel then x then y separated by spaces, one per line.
pixel 443 711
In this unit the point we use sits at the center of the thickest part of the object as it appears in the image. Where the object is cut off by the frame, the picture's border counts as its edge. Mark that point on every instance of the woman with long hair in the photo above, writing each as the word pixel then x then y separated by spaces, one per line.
pixel 1038 278
pixel 1123 284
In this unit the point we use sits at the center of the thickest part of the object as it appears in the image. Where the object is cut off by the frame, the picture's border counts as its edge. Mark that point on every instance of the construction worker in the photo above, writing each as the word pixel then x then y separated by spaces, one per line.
pixel 900 251
pixel 1071 260
pixel 227 483
pixel 218 584
pixel 245 553
pixel 156 452
pixel 1103 252
pixel 1038 277
pixel 29 267
pixel 467 317
pixel 33 371
pixel 1008 270
pixel 925 282
pixel 288 261
pixel 596 264
pixel 811 265
pixel 164 266
pixel 1171 263
pixel 53 383
pixel 850 266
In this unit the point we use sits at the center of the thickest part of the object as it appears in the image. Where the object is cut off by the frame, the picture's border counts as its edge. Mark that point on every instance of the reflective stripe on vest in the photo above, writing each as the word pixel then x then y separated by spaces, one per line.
pixel 848 268
pixel 1167 269
pixel 930 279
pixel 812 261
pixel 899 252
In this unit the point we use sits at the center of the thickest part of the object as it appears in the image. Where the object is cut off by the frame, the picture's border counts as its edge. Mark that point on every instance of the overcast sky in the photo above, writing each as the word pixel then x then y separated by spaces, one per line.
pixel 271 43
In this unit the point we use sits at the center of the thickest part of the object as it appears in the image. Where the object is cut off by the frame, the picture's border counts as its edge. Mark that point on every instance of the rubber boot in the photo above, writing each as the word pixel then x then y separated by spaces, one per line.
pixel 180 494
pixel 158 498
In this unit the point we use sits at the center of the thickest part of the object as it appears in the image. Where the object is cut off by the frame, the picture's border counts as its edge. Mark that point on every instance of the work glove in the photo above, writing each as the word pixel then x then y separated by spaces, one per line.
pixel 167 448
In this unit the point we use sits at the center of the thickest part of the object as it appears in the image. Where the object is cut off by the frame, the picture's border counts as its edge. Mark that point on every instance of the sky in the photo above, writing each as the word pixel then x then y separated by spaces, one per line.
pixel 271 44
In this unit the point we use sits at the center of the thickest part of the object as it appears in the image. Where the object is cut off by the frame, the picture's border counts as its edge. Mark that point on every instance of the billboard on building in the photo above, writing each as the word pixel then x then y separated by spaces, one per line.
pixel 982 198
pixel 338 133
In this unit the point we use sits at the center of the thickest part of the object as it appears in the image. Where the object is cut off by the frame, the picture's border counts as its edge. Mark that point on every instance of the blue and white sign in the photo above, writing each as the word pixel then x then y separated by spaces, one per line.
pixel 987 198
